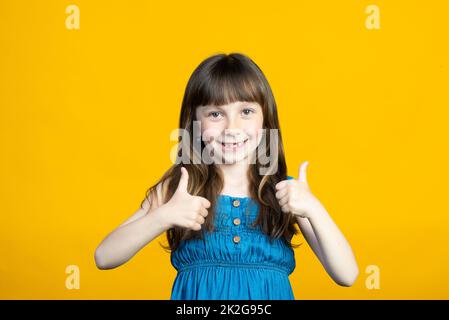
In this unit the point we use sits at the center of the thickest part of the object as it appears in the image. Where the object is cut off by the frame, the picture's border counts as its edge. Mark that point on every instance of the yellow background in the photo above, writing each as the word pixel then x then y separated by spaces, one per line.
pixel 86 116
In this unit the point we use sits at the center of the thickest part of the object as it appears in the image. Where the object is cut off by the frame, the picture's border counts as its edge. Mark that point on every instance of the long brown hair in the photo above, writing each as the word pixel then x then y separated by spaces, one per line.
pixel 222 79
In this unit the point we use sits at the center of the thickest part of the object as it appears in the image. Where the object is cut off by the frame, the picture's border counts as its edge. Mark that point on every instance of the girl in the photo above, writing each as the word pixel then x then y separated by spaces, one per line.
pixel 230 217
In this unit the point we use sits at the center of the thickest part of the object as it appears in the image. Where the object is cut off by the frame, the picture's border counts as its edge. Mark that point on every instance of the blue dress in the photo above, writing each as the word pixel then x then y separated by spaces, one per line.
pixel 234 262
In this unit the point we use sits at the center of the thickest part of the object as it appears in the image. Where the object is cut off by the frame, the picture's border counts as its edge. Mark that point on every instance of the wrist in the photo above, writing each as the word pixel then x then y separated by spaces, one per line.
pixel 160 217
pixel 316 214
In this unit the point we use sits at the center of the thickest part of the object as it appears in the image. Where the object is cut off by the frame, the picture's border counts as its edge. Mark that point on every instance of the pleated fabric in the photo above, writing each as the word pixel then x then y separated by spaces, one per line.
pixel 234 262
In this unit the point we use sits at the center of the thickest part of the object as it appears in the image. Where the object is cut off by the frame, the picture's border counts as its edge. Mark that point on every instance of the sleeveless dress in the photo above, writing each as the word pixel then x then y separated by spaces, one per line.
pixel 234 262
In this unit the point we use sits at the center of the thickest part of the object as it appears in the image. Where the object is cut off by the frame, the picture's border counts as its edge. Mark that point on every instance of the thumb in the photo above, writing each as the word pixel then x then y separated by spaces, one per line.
pixel 302 176
pixel 183 181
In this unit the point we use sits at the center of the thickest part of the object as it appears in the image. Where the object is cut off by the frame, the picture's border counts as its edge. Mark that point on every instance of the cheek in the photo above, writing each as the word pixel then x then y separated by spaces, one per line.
pixel 254 130
pixel 210 130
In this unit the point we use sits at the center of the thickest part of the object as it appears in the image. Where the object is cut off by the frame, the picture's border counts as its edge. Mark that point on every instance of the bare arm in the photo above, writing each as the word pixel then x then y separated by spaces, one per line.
pixel 330 247
pixel 182 210
pixel 132 235
pixel 309 235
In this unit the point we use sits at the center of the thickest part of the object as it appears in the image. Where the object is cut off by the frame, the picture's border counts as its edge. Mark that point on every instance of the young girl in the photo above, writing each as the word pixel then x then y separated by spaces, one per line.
pixel 230 217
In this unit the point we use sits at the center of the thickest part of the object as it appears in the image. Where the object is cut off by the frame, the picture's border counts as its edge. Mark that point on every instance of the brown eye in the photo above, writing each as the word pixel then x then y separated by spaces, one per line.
pixel 247 112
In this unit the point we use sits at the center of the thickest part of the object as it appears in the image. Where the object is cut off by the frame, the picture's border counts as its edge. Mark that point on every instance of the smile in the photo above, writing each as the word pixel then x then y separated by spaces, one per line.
pixel 233 146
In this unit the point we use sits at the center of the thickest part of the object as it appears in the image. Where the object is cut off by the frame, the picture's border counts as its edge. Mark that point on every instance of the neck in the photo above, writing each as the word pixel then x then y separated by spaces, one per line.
pixel 235 178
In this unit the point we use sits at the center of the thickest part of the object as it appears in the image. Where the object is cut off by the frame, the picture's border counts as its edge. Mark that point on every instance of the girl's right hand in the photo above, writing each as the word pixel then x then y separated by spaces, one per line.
pixel 183 209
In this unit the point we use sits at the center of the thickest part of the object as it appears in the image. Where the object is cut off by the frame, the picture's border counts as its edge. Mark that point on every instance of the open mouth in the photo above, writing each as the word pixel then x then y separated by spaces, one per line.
pixel 233 145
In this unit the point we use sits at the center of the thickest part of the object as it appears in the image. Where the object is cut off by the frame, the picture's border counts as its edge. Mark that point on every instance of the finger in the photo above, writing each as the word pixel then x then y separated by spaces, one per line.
pixel 281 185
pixel 183 181
pixel 302 177
pixel 281 193
pixel 205 202
pixel 285 208
pixel 196 226
pixel 200 219
pixel 204 212
pixel 283 201
pixel 192 224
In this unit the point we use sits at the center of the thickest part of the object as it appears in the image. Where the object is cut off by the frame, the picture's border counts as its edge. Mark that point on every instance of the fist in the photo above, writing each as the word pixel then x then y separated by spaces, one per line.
pixel 294 195
pixel 185 210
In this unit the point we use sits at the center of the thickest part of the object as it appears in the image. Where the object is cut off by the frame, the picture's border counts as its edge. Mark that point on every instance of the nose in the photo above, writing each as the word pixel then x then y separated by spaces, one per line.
pixel 233 128
pixel 233 124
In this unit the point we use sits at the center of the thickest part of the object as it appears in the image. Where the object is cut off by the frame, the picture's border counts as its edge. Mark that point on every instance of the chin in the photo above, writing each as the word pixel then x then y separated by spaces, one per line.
pixel 230 159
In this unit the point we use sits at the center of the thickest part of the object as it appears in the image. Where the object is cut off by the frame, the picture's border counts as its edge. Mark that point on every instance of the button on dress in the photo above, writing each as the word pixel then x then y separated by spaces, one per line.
pixel 234 262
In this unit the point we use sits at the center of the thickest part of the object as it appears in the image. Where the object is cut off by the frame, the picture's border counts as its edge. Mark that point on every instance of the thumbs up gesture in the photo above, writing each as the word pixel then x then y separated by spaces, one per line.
pixel 294 195
pixel 185 210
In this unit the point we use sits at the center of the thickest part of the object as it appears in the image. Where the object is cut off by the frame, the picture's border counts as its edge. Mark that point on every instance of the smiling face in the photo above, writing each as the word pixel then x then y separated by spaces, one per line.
pixel 232 131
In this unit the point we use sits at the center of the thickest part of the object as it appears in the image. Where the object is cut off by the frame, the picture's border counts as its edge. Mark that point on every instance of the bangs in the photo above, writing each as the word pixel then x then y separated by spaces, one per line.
pixel 228 81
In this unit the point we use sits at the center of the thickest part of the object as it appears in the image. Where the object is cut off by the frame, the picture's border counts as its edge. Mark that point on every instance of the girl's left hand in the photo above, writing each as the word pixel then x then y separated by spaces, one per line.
pixel 294 195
